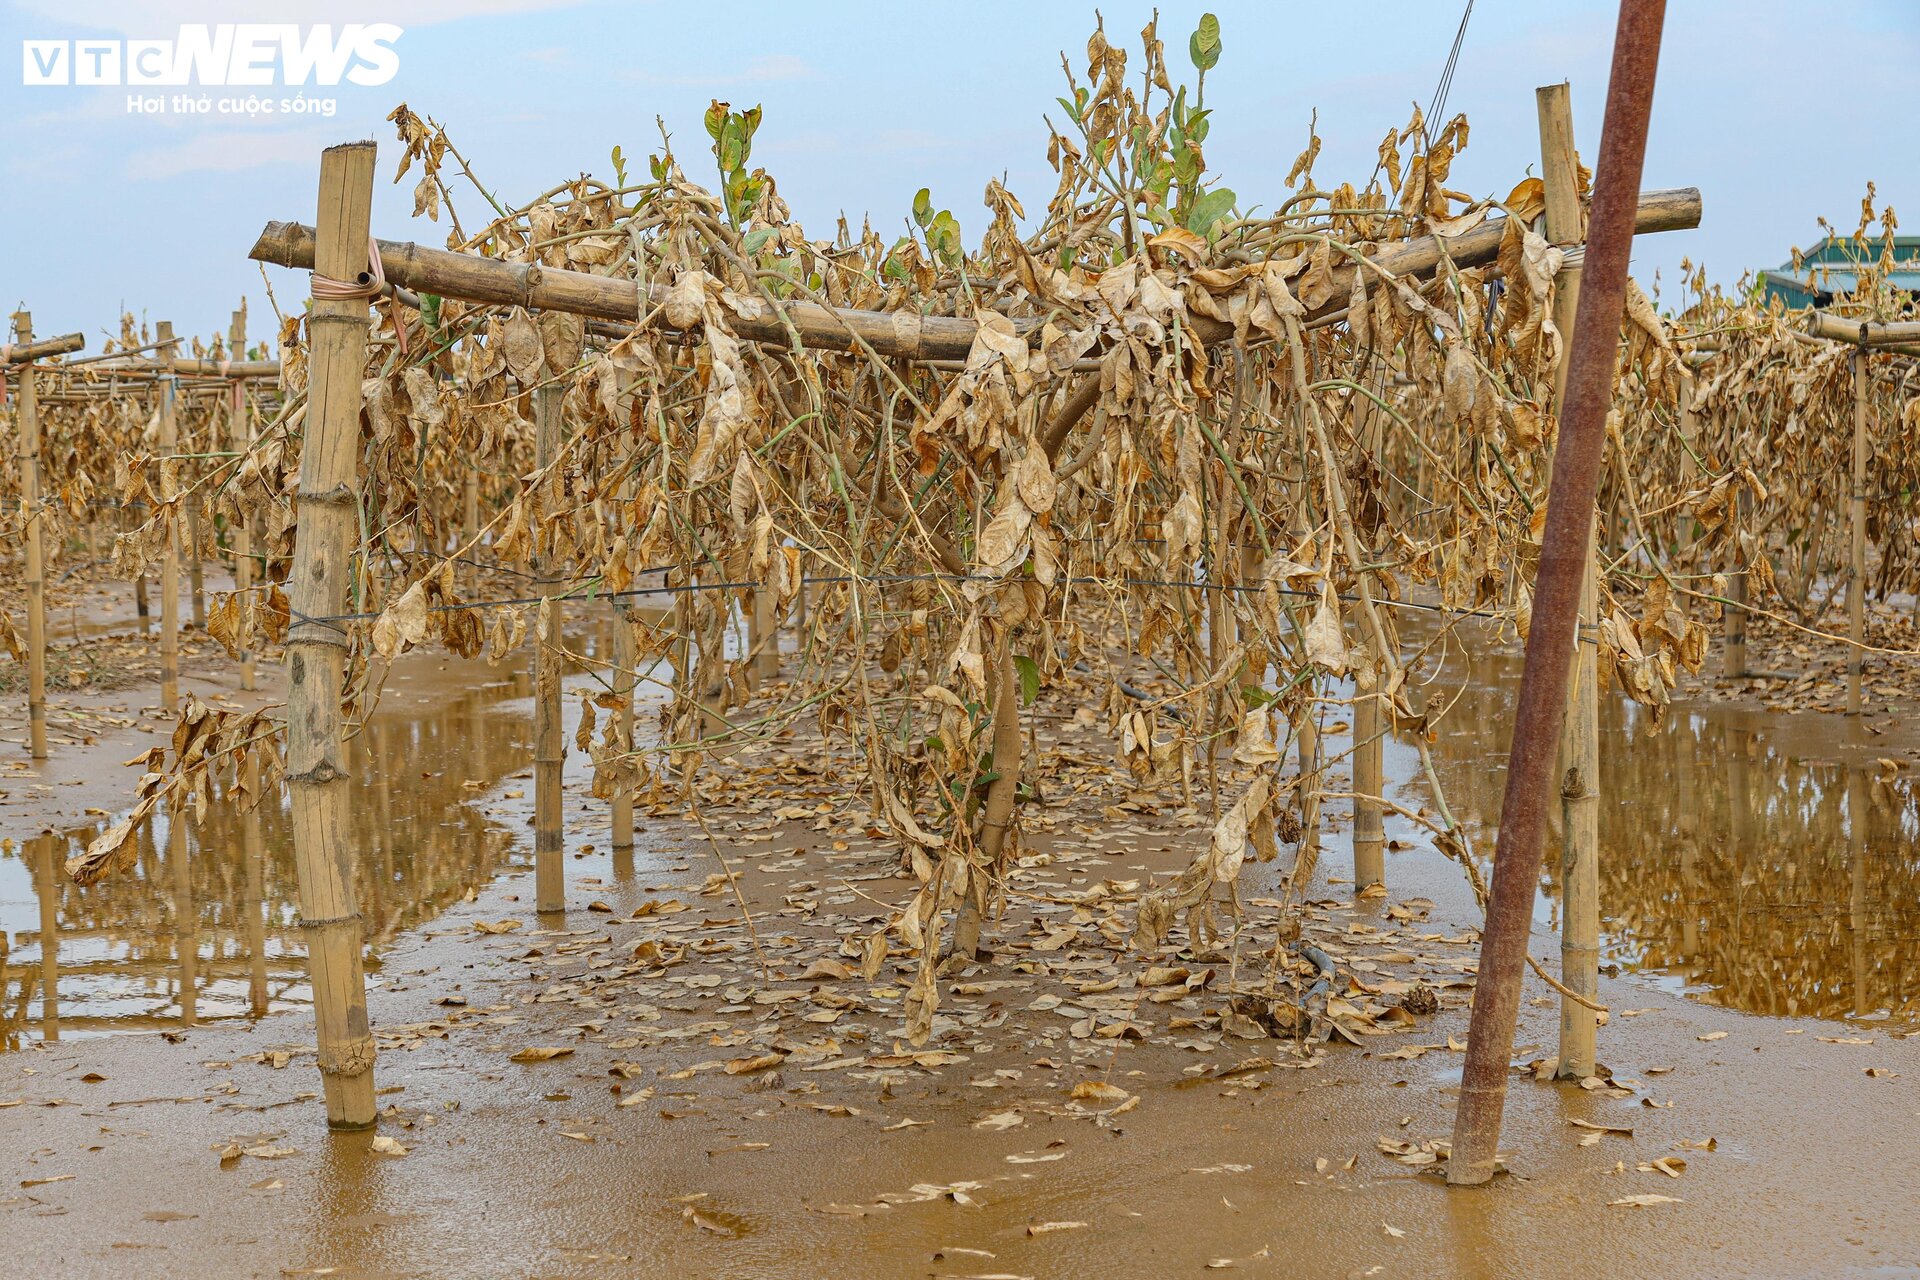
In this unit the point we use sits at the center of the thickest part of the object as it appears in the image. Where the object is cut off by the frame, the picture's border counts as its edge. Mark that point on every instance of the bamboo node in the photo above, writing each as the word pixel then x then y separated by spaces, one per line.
pixel 354 1058
pixel 339 495
pixel 330 921
pixel 320 775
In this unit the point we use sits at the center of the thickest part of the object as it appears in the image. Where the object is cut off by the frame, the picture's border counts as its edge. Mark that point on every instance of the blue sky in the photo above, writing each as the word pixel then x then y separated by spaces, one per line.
pixel 1778 116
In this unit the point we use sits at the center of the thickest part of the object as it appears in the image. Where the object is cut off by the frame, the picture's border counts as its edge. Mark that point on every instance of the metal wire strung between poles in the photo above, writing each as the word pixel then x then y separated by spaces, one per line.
pixel 833 579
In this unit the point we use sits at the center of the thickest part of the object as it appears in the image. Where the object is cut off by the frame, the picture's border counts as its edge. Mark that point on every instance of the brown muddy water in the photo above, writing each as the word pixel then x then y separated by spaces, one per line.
pixel 1762 862
pixel 203 929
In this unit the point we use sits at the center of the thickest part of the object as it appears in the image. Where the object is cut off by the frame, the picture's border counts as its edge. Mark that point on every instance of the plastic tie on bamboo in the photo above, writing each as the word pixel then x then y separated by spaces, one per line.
pixel 370 285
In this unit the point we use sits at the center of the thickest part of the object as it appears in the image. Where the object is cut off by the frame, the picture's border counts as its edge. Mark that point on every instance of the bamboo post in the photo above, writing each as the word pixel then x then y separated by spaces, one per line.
pixel 196 570
pixel 766 636
pixel 28 416
pixel 549 747
pixel 252 849
pixel 624 659
pixel 317 778
pixel 186 922
pixel 1857 575
pixel 1369 780
pixel 48 890
pixel 1735 656
pixel 165 387
pixel 1592 357
pixel 239 439
pixel 1371 720
pixel 1857 887
pixel 1580 730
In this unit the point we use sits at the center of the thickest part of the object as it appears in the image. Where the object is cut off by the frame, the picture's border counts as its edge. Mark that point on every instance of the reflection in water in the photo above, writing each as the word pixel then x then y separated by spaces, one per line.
pixel 1732 867
pixel 203 926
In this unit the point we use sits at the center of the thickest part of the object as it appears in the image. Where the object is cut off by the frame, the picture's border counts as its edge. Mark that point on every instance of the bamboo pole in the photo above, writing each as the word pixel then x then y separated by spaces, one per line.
pixel 239 439
pixel 48 890
pixel 1371 721
pixel 1873 333
pixel 624 659
pixel 317 777
pixel 1735 655
pixel 1578 452
pixel 186 915
pixel 1857 575
pixel 766 636
pixel 625 678
pixel 997 808
pixel 28 431
pixel 196 568
pixel 1580 730
pixel 475 279
pixel 549 746
pixel 26 351
pixel 252 848
pixel 1369 780
pixel 170 560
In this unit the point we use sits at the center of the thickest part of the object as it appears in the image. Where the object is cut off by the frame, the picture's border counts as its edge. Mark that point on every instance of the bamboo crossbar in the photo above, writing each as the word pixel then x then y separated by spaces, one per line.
pixel 25 352
pixel 189 366
pixel 1871 333
pixel 472 278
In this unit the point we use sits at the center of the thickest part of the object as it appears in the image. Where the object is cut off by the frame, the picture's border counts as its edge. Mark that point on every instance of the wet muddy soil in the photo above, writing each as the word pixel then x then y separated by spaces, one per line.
pixel 699 1071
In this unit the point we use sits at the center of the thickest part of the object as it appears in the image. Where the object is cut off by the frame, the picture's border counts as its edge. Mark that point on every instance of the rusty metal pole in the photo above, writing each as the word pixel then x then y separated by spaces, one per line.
pixel 1594 352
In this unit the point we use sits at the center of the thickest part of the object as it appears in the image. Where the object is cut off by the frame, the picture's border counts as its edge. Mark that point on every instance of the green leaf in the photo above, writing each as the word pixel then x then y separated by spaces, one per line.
pixel 619 168
pixel 1204 47
pixel 1029 678
pixel 716 118
pixel 923 207
pixel 1073 112
pixel 754 241
pixel 1209 209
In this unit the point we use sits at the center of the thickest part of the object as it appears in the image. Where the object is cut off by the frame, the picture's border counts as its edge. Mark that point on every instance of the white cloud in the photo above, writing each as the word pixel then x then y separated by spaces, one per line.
pixel 228 151
pixel 144 18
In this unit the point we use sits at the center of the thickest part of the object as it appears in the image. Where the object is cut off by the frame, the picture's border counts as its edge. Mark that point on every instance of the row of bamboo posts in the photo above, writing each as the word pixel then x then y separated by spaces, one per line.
pixel 164 372
pixel 336 250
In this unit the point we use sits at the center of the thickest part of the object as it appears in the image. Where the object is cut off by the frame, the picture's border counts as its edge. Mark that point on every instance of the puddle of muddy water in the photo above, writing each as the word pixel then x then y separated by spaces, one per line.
pixel 1752 860
pixel 1755 860
pixel 205 929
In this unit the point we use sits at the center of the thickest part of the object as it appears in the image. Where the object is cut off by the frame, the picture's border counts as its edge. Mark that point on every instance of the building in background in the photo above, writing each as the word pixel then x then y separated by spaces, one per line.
pixel 1832 267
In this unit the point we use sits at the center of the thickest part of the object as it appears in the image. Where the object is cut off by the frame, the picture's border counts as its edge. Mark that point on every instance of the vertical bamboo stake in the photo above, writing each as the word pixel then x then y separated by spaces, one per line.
pixel 1857 578
pixel 1580 730
pixel 1736 648
pixel 1369 779
pixel 1370 724
pixel 186 921
pixel 196 570
pixel 549 748
pixel 29 451
pixel 251 848
pixel 142 608
pixel 239 438
pixel 766 635
pixel 317 778
pixel 623 682
pixel 1857 886
pixel 1591 362
pixel 170 562
pixel 48 890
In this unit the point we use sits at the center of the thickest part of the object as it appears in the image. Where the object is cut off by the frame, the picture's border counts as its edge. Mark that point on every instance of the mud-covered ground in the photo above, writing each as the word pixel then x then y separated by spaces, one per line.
pixel 702 1070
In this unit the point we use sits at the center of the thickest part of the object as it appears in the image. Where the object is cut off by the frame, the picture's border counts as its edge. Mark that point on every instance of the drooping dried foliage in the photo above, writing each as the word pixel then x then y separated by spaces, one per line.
pixel 1200 437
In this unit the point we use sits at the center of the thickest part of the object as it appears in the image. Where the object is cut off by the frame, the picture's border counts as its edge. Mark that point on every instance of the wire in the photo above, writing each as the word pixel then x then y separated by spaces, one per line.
pixel 1439 103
